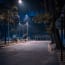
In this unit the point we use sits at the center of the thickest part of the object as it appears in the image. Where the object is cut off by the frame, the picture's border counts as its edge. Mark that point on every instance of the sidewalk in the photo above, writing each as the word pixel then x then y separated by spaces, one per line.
pixel 2 44
pixel 58 52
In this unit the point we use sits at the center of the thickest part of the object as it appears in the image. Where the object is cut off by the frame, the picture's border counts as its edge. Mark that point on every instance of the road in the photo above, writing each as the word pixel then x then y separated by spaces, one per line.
pixel 28 53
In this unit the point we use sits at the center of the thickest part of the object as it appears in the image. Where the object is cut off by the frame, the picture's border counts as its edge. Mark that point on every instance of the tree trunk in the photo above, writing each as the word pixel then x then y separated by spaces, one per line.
pixel 5 37
pixel 57 38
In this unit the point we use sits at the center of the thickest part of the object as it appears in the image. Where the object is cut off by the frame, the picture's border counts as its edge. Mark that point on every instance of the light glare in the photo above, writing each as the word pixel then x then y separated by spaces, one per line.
pixel 20 1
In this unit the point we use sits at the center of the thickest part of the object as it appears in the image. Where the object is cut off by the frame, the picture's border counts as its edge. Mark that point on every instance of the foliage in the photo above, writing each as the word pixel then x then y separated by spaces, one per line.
pixel 46 19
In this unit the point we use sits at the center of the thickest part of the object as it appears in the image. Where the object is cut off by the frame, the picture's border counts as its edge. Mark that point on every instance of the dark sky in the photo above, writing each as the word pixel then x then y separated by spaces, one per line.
pixel 34 4
pixel 6 3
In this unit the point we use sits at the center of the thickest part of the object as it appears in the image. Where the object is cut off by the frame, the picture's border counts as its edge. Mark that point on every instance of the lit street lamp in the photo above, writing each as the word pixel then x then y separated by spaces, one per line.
pixel 20 1
pixel 25 19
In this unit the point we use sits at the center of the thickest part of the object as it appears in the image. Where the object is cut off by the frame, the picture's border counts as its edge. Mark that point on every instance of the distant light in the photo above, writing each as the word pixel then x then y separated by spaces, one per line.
pixel 27 23
pixel 20 1
pixel 19 23
pixel 26 17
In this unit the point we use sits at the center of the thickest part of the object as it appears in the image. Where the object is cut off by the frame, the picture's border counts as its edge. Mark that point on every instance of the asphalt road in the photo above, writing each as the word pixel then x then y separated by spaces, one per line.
pixel 28 53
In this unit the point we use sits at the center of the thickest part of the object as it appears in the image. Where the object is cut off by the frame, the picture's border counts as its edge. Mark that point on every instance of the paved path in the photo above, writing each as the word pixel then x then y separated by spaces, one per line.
pixel 28 53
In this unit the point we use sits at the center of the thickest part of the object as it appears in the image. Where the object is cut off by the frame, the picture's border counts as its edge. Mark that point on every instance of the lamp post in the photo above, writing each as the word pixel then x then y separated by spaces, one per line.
pixel 20 3
pixel 19 29
pixel 27 29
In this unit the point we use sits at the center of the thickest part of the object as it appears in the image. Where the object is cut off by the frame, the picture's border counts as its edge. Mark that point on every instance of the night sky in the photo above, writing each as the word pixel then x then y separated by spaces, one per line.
pixel 32 4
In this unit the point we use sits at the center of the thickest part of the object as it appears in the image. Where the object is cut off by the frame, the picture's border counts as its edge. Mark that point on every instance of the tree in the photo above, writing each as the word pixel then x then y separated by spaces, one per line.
pixel 7 16
pixel 52 13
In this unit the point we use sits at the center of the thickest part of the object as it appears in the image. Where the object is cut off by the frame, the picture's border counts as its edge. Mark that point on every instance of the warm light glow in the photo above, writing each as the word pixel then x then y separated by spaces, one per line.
pixel 20 1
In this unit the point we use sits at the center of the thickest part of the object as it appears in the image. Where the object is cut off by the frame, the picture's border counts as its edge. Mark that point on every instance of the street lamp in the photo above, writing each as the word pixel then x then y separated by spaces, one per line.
pixel 20 1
